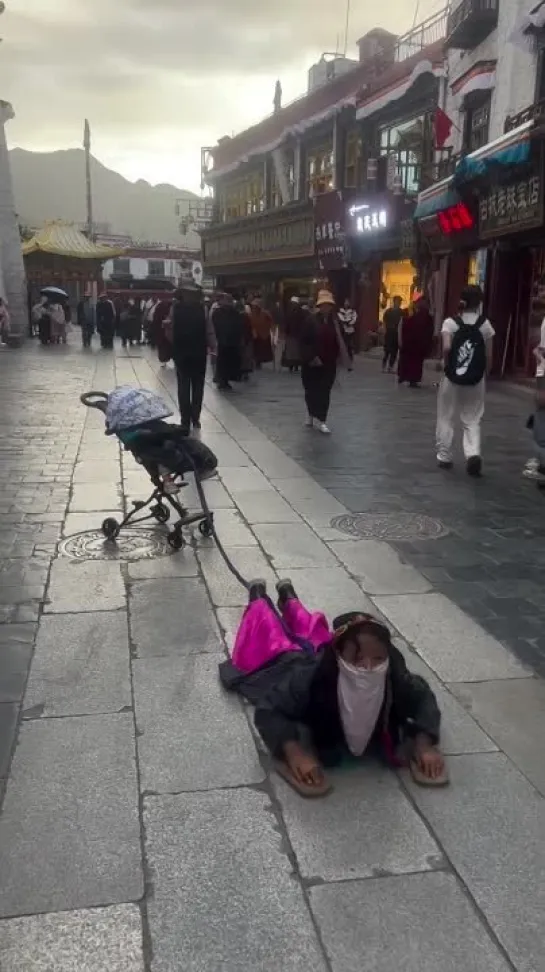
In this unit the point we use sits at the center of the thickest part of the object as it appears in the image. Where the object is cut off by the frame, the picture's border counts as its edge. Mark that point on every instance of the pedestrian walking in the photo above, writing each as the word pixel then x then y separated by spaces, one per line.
pixel 228 325
pixel 532 467
pixel 161 330
pixel 348 319
pixel 391 321
pixel 190 344
pixel 5 325
pixel 86 318
pixel 293 329
pixel 262 329
pixel 105 319
pixel 415 343
pixel 321 348
pixel 467 342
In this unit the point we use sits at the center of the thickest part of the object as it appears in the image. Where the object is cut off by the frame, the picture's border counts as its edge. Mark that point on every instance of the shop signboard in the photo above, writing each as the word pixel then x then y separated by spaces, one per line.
pixel 268 239
pixel 512 207
pixel 330 213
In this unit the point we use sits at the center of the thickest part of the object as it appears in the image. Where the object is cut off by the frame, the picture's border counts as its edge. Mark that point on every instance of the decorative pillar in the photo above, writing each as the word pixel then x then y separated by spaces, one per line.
pixel 299 169
pixel 11 257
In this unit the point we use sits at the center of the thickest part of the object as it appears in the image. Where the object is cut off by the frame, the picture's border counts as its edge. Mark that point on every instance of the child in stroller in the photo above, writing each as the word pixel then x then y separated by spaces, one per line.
pixel 136 416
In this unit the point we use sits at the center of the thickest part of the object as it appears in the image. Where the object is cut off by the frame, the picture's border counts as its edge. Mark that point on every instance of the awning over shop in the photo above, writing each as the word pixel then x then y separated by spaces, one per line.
pixel 505 152
pixel 62 239
pixel 509 150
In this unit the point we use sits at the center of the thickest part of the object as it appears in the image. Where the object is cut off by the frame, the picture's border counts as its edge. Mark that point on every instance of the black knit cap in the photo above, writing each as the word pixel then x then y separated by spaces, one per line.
pixel 354 621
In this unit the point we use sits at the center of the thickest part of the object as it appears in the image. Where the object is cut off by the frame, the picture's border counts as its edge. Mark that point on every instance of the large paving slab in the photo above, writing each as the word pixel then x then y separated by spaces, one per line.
pixel 85 585
pixel 224 898
pixel 331 590
pixel 69 831
pixel 9 713
pixel 448 640
pixel 459 731
pixel 81 665
pixel 91 940
pixel 414 923
pixel 232 530
pixel 172 617
pixel 272 461
pixel 307 497
pixel 491 823
pixel 270 507
pixel 243 479
pixel 364 828
pixel 225 589
pixel 16 647
pixel 379 569
pixel 513 714
pixel 94 496
pixel 182 563
pixel 293 548
pixel 178 751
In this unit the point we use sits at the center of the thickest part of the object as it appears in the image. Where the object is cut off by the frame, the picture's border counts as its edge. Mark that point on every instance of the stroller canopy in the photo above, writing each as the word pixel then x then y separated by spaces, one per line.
pixel 130 407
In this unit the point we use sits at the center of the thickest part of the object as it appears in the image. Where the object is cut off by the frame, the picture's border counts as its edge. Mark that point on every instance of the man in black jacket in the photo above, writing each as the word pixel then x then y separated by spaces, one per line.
pixel 346 690
pixel 190 341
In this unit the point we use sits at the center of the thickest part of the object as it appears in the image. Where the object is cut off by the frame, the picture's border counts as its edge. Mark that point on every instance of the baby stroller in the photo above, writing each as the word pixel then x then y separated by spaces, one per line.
pixel 136 416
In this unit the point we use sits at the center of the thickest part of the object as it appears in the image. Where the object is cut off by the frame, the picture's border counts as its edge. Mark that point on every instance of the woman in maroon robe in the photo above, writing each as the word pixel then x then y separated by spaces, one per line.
pixel 161 335
pixel 415 343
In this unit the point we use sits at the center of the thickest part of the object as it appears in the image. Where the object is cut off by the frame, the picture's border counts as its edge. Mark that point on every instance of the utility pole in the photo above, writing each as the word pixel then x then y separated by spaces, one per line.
pixel 346 26
pixel 88 184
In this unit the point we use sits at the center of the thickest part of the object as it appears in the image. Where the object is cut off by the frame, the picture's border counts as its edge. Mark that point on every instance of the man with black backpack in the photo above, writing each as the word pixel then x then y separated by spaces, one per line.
pixel 467 341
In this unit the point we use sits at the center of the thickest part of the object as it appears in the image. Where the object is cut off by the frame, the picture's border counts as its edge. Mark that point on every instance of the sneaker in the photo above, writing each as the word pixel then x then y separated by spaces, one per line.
pixel 309 422
pixel 286 592
pixel 257 590
pixel 531 469
pixel 445 463
pixel 474 466
pixel 324 429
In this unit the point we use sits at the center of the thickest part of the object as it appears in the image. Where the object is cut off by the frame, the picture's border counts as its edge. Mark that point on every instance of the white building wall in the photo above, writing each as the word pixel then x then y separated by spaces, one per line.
pixel 12 275
pixel 515 71
pixel 139 268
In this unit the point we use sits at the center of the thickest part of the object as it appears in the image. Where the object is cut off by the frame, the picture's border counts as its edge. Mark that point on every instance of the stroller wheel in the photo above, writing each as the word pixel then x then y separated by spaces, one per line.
pixel 206 527
pixel 161 513
pixel 176 540
pixel 110 528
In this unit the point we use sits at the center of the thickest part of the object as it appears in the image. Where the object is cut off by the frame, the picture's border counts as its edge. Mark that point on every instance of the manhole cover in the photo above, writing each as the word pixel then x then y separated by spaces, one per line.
pixel 132 544
pixel 389 526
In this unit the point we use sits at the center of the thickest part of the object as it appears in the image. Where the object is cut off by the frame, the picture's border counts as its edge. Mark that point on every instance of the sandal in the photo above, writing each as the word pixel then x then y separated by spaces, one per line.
pixel 307 790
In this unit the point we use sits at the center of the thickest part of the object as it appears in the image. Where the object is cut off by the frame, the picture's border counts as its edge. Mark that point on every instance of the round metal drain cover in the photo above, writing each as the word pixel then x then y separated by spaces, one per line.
pixel 132 544
pixel 389 526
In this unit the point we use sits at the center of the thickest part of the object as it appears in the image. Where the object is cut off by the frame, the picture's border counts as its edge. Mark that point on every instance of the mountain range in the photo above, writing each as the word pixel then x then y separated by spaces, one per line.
pixel 51 185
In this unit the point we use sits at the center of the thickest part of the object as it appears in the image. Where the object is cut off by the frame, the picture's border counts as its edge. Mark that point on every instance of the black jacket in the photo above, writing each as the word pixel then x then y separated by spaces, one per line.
pixel 228 326
pixel 189 331
pixel 297 688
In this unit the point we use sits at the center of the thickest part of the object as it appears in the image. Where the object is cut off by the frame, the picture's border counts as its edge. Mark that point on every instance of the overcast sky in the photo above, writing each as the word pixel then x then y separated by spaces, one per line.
pixel 160 78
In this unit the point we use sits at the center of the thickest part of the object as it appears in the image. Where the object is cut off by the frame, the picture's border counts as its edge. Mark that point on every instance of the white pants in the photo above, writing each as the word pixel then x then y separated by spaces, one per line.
pixel 467 404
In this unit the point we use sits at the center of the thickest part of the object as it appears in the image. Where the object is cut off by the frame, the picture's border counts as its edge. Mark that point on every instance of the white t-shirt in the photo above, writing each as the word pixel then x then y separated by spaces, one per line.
pixel 450 326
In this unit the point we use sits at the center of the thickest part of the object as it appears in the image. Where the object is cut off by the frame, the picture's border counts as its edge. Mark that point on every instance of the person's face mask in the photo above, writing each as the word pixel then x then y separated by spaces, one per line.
pixel 366 668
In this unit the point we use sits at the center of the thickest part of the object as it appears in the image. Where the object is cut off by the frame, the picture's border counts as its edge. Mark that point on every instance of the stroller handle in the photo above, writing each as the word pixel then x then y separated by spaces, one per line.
pixel 95 399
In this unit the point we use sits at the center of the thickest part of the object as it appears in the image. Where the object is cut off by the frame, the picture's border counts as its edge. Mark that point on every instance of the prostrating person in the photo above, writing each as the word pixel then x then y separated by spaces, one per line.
pixel 323 695
pixel 189 352
pixel 467 341
pixel 415 343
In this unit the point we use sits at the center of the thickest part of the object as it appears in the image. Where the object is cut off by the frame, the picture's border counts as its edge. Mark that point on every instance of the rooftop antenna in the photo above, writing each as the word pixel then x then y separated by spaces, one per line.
pixel 416 12
pixel 346 26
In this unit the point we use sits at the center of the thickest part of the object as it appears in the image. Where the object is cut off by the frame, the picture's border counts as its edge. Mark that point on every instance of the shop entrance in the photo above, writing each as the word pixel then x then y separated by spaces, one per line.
pixel 397 280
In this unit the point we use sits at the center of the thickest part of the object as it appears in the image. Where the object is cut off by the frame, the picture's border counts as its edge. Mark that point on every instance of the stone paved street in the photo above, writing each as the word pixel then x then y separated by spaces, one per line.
pixel 141 828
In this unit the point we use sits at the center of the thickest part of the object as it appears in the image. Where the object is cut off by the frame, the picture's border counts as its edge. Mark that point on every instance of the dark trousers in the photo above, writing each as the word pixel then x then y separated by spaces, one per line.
pixel 190 373
pixel 391 350
pixel 318 383
pixel 86 335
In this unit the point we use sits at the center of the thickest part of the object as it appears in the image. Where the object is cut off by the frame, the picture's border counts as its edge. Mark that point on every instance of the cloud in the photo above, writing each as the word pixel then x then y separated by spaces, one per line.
pixel 161 73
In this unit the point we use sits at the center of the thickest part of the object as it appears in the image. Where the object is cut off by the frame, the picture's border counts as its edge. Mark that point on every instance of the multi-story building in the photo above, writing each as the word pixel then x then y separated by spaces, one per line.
pixel 151 264
pixel 484 221
pixel 325 187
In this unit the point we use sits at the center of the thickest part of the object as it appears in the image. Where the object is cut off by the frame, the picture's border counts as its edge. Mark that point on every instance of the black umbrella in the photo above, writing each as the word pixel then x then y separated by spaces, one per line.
pixel 53 292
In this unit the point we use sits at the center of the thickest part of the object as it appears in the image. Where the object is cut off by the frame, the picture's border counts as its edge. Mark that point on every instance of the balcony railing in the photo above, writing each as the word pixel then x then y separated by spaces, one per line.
pixel 470 22
pixel 535 113
pixel 428 32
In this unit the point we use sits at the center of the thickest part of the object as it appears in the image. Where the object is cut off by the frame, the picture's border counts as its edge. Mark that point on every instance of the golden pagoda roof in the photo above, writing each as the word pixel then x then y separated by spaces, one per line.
pixel 64 239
